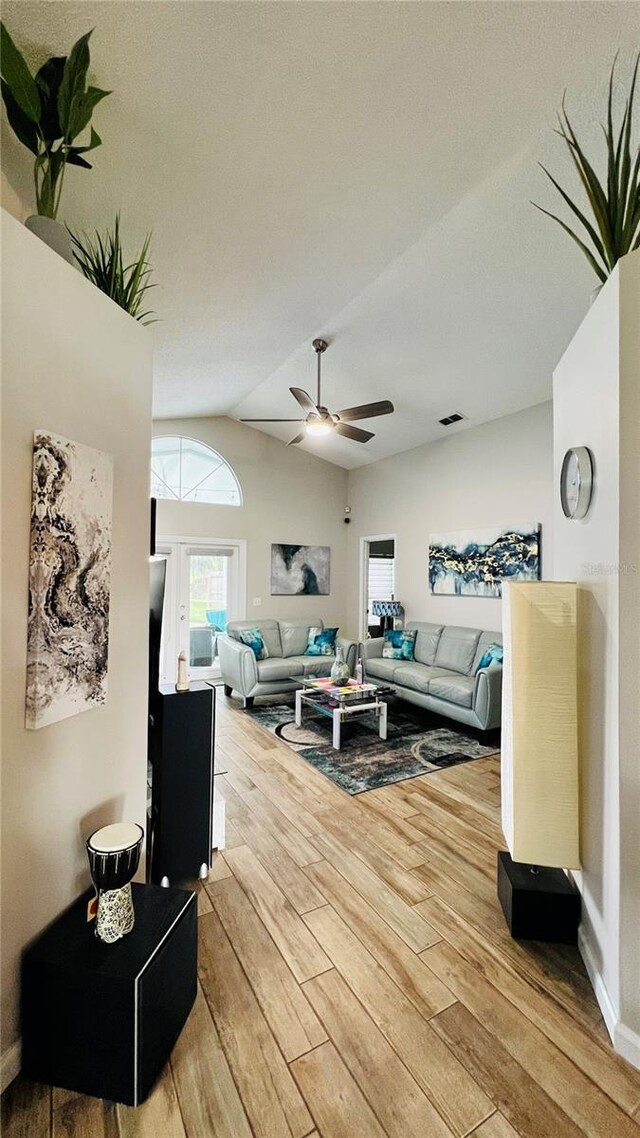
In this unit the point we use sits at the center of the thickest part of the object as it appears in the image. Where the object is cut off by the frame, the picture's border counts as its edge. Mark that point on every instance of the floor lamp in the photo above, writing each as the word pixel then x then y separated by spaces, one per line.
pixel 539 761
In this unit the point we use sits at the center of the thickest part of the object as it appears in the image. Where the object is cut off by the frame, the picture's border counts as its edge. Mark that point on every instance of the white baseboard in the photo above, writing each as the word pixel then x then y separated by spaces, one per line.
pixel 219 820
pixel 9 1065
pixel 625 1041
pixel 609 1013
pixel 627 1044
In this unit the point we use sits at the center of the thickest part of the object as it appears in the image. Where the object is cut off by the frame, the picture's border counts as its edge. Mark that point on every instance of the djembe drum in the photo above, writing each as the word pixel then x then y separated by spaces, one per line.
pixel 114 854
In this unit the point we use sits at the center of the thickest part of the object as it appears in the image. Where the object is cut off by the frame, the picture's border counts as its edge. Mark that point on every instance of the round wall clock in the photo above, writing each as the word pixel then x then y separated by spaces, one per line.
pixel 576 482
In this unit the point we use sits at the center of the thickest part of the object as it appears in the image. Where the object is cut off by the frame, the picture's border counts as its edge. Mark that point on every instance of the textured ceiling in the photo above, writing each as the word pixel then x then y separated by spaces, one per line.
pixel 360 171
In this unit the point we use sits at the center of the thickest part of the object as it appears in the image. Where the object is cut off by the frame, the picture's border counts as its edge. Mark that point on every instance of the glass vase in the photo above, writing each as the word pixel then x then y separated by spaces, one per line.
pixel 340 670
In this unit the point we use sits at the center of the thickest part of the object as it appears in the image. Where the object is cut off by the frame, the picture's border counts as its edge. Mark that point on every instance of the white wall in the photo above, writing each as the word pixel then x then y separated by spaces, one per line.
pixel 288 496
pixel 497 474
pixel 11 200
pixel 629 607
pixel 596 405
pixel 75 364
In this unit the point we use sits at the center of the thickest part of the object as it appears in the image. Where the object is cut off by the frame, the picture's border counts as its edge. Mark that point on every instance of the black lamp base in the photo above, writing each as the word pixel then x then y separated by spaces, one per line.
pixel 540 905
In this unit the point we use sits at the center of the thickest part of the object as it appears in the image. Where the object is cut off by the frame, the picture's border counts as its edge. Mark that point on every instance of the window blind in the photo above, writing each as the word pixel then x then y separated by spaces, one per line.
pixel 381 578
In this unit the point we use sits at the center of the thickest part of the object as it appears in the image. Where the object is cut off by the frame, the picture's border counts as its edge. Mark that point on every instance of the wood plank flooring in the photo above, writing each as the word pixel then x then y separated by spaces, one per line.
pixel 357 979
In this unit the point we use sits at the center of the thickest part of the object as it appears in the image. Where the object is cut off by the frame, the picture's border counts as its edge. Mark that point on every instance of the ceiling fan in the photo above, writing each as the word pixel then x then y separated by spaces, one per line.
pixel 320 421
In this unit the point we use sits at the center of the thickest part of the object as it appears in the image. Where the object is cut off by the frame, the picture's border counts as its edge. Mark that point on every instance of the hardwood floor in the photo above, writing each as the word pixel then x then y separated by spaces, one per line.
pixel 357 979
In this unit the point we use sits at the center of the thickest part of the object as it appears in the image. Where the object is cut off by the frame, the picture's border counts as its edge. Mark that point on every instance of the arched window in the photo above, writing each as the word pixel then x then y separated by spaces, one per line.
pixel 188 471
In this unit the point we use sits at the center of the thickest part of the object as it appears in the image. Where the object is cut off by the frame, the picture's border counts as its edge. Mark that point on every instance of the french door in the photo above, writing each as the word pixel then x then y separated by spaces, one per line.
pixel 205 589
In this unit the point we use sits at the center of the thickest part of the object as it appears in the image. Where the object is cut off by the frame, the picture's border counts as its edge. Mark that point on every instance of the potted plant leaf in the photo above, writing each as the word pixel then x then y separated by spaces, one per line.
pixel 102 261
pixel 47 113
pixel 611 225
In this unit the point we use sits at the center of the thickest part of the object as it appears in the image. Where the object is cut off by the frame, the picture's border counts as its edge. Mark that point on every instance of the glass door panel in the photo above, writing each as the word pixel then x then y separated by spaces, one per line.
pixel 208 585
pixel 202 595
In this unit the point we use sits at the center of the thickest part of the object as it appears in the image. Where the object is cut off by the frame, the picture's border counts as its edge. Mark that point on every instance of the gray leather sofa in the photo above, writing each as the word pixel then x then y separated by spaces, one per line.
pixel 442 677
pixel 285 641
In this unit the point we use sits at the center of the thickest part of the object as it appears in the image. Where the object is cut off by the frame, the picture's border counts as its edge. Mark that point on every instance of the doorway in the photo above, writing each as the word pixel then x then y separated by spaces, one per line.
pixel 377 580
pixel 205 589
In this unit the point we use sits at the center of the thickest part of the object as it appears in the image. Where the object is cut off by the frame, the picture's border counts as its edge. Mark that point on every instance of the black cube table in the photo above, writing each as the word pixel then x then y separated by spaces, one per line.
pixel 100 1018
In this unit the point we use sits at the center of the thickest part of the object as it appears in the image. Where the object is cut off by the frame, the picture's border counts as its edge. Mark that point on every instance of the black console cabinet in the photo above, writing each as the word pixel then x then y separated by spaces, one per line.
pixel 180 791
pixel 100 1018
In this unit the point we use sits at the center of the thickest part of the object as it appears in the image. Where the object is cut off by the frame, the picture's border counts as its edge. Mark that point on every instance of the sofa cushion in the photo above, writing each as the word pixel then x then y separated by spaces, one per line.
pixel 416 676
pixel 427 639
pixel 291 666
pixel 378 669
pixel 398 644
pixel 492 658
pixel 317 665
pixel 321 642
pixel 294 634
pixel 457 648
pixel 252 637
pixel 453 688
pixel 282 669
pixel 484 643
pixel 268 628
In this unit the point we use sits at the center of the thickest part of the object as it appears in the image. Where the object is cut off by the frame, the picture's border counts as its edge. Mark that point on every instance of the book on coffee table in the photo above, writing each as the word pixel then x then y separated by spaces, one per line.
pixel 325 687
pixel 325 683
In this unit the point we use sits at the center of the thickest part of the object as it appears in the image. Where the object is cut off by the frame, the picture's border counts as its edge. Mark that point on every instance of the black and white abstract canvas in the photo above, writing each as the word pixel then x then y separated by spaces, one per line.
pixel 474 563
pixel 69 579
pixel 300 570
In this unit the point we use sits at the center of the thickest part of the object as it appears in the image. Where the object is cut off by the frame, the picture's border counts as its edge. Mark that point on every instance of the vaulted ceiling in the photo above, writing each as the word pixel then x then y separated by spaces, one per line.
pixel 360 171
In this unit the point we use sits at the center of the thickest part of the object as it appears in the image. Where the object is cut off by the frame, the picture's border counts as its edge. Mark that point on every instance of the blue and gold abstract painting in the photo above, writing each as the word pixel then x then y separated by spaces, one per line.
pixel 474 563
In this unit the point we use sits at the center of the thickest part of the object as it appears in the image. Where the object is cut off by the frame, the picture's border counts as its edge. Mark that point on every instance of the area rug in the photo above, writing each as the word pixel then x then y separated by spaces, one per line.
pixel 417 744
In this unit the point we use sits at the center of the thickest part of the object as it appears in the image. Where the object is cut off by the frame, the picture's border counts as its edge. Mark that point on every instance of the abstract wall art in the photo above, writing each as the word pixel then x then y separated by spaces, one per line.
pixel 69 579
pixel 300 570
pixel 474 563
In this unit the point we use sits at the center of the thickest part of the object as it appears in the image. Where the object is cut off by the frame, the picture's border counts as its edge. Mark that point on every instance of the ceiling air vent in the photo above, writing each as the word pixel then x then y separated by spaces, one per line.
pixel 455 418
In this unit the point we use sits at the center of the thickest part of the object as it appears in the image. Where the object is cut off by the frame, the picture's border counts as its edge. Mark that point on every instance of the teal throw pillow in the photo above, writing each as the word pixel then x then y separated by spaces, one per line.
pixel 399 644
pixel 491 658
pixel 321 642
pixel 253 638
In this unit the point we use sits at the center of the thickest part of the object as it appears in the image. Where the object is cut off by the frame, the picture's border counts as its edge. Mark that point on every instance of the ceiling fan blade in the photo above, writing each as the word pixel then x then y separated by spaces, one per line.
pixel 305 401
pixel 298 438
pixel 272 420
pixel 354 433
pixel 366 411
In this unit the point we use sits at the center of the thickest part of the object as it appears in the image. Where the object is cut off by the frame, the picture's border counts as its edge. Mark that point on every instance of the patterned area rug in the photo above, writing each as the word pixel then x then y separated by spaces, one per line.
pixel 418 743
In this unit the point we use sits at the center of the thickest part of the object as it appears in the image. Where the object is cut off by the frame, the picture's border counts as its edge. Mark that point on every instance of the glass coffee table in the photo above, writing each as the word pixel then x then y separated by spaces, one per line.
pixel 341 703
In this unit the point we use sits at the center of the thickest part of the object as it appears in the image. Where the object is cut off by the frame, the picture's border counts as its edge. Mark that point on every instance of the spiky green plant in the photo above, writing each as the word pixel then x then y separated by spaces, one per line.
pixel 615 201
pixel 48 112
pixel 101 259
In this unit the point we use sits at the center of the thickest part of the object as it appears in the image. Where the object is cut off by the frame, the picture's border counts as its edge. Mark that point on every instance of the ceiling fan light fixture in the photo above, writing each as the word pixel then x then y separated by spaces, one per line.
pixel 318 419
pixel 318 427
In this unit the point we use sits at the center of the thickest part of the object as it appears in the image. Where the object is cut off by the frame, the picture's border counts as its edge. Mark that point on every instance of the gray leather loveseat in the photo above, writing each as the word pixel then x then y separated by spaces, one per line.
pixel 442 677
pixel 285 641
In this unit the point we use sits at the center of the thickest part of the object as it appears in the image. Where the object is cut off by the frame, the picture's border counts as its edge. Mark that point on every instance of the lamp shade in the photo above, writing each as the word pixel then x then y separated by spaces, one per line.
pixel 386 608
pixel 539 757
